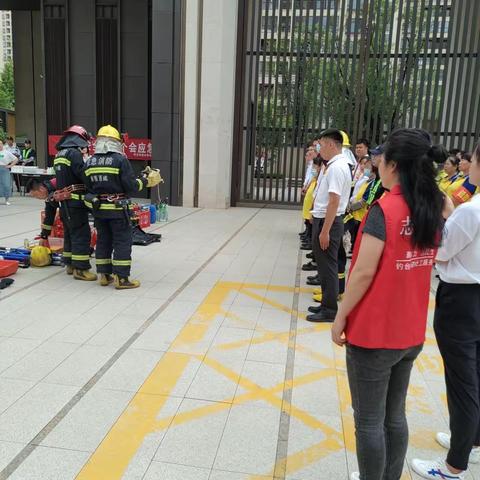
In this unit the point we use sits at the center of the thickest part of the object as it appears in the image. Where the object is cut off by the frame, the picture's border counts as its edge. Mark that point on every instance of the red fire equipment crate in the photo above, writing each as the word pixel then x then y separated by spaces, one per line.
pixel 8 268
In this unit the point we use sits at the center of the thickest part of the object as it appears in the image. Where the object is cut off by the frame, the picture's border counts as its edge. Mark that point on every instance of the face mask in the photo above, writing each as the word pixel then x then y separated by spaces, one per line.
pixel 317 148
pixel 314 173
pixel 367 172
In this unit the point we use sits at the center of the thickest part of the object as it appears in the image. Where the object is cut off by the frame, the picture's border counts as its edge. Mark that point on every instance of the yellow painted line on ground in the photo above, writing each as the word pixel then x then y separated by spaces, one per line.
pixel 272 303
pixel 345 400
pixel 140 418
pixel 184 417
pixel 299 460
pixel 116 451
pixel 113 456
pixel 282 337
pixel 262 393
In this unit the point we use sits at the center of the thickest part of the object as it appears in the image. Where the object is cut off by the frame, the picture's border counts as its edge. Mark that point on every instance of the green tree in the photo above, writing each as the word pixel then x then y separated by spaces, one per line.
pixel 7 87
pixel 356 69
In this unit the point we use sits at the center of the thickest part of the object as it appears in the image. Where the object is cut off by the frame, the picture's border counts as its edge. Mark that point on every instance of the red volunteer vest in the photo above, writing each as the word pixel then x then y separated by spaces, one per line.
pixel 393 312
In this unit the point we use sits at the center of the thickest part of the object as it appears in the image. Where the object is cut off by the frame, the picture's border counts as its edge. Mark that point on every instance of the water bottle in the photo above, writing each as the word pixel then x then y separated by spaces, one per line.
pixel 158 209
pixel 166 210
pixel 153 213
pixel 162 212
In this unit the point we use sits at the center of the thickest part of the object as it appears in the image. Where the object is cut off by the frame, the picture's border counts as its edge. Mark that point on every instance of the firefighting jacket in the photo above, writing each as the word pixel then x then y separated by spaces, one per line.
pixel 110 174
pixel 69 166
pixel 50 211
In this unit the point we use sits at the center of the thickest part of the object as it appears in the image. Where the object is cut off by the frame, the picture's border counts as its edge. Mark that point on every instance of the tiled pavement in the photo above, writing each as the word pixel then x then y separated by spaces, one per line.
pixel 207 372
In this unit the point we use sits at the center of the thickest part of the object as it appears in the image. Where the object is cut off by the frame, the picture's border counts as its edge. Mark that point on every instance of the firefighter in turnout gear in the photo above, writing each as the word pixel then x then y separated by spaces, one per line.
pixel 44 190
pixel 70 191
pixel 110 182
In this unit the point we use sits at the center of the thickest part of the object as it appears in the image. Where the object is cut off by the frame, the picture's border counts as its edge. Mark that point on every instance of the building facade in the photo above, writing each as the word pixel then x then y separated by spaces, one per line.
pixel 159 70
pixel 212 87
pixel 6 46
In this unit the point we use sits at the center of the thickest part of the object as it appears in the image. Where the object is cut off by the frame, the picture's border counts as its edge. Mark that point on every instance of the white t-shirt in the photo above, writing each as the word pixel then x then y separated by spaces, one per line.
pixel 461 245
pixel 336 178
pixel 308 174
pixel 6 157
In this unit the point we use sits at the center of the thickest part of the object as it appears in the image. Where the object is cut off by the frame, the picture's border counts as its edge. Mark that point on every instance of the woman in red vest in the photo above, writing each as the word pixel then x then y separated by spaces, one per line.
pixel 383 316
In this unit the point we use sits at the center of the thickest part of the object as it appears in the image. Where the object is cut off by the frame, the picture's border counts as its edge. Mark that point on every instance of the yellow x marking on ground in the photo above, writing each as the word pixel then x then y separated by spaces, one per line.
pixel 140 418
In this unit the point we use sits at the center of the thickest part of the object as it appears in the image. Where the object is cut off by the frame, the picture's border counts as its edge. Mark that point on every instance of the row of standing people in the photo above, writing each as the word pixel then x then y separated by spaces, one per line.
pixel 399 239
pixel 102 185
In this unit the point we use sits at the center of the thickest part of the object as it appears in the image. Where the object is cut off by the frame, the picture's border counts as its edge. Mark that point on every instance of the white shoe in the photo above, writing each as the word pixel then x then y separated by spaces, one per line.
pixel 434 470
pixel 355 476
pixel 444 440
pixel 7 202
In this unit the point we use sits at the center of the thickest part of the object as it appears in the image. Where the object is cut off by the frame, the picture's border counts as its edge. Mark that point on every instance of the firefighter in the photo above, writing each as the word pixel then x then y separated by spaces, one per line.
pixel 110 181
pixel 70 193
pixel 43 190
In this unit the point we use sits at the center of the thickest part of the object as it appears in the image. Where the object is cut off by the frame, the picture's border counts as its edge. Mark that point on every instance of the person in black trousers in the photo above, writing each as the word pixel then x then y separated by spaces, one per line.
pixel 331 199
pixel 457 329
pixel 110 181
pixel 68 164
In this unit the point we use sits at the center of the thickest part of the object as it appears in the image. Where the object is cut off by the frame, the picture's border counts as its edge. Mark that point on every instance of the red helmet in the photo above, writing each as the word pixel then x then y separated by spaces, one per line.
pixel 78 130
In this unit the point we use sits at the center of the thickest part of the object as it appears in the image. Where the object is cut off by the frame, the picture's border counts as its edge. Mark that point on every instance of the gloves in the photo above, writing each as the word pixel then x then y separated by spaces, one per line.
pixel 153 177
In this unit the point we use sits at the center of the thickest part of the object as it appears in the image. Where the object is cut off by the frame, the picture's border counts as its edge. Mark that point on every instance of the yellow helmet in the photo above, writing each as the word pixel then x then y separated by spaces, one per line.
pixel 40 257
pixel 109 131
pixel 346 140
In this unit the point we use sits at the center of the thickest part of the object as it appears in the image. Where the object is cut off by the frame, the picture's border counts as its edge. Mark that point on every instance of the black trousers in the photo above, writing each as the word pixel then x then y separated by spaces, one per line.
pixel 114 236
pixel 352 226
pixel 327 260
pixel 308 230
pixel 457 328
pixel 76 241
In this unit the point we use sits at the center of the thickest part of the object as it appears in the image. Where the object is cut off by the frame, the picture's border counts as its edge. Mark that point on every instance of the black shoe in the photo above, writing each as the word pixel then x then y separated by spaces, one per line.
pixel 309 267
pixel 310 255
pixel 316 282
pixel 313 277
pixel 315 309
pixel 324 316
pixel 306 246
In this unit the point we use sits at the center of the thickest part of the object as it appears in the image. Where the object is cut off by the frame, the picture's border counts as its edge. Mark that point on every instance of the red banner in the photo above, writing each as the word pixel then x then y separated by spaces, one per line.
pixel 133 148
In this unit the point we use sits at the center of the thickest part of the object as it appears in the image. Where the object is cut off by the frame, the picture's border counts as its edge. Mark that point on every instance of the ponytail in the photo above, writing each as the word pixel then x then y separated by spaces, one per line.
pixel 414 155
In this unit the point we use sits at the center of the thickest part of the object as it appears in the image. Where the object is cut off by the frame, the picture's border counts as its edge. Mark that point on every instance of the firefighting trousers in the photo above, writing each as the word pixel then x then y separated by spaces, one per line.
pixel 76 241
pixel 114 236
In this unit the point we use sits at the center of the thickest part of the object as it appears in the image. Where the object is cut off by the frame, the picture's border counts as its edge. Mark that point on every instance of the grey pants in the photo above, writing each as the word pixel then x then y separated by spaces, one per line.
pixel 327 260
pixel 378 383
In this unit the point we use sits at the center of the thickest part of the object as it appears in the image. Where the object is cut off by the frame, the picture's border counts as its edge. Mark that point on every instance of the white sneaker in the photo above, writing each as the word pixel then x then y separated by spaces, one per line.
pixel 7 202
pixel 434 470
pixel 355 476
pixel 444 440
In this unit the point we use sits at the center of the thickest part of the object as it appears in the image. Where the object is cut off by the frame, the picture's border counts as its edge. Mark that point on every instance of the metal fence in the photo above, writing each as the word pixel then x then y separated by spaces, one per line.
pixel 366 67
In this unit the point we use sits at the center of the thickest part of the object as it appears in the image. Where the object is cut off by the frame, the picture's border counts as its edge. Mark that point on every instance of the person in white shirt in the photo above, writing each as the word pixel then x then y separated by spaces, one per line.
pixel 11 147
pixel 457 329
pixel 7 160
pixel 312 147
pixel 331 200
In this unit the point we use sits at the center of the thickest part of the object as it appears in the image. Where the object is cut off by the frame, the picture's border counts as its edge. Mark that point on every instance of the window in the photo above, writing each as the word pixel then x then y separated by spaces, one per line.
pixel 269 23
